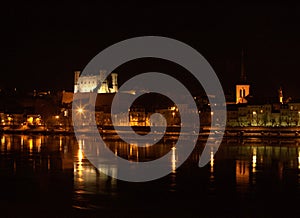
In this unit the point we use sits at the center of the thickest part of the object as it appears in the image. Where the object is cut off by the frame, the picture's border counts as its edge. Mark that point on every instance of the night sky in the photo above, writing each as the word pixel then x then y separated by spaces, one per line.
pixel 44 43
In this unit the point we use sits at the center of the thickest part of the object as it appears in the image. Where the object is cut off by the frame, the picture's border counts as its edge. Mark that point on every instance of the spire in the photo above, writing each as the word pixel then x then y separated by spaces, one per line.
pixel 243 73
pixel 280 95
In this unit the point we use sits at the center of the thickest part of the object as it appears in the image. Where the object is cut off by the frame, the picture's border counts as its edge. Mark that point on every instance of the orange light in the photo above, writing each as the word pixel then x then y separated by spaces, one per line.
pixel 30 120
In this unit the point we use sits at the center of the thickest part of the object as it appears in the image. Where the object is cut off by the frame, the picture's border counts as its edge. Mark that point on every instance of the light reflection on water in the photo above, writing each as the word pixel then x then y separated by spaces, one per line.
pixel 243 171
pixel 88 181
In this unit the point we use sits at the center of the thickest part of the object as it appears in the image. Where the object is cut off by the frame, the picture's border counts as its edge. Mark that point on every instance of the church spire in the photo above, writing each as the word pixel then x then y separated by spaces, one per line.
pixel 280 95
pixel 243 73
pixel 243 87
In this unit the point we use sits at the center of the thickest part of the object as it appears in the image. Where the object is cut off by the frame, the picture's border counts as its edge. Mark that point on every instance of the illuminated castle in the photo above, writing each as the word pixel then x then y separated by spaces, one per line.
pixel 89 83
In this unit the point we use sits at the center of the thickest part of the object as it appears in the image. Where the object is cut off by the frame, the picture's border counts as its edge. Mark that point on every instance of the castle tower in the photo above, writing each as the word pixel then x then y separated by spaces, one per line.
pixel 114 80
pixel 104 86
pixel 76 78
pixel 242 88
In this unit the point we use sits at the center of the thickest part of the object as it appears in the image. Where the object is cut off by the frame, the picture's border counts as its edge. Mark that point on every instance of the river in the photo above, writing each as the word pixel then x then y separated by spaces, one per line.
pixel 49 176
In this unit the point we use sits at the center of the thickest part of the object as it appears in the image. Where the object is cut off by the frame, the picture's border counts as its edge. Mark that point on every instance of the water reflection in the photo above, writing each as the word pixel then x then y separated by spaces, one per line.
pixel 55 167
pixel 242 175
pixel 298 159
pixel 33 172
pixel 89 182
pixel 173 159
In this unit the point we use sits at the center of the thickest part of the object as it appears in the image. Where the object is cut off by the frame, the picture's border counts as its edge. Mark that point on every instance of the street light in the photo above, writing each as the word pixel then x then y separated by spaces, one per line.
pixel 173 114
pixel 80 110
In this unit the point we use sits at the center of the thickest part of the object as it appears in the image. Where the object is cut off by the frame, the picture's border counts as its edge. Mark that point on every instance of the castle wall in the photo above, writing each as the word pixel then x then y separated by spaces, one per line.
pixel 89 83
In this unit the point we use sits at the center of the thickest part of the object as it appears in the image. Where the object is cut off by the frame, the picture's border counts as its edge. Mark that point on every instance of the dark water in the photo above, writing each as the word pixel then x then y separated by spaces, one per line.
pixel 48 176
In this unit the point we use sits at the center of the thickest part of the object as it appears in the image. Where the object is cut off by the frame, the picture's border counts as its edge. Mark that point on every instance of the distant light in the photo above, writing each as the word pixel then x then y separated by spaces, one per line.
pixel 132 92
pixel 80 110
pixel 30 120
pixel 37 120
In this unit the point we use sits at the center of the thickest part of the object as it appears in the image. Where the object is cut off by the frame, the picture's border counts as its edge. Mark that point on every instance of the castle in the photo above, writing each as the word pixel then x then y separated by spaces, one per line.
pixel 89 83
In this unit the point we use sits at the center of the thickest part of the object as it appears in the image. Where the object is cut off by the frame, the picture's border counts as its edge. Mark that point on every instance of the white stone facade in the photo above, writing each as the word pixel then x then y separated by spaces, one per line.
pixel 89 83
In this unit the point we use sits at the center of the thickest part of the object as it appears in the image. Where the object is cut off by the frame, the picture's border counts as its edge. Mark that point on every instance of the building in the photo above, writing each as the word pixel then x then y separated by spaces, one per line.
pixel 253 111
pixel 242 87
pixel 264 114
pixel 242 110
pixel 92 83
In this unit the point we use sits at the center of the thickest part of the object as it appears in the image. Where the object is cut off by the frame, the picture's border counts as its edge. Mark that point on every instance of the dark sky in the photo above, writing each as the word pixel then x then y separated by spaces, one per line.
pixel 44 43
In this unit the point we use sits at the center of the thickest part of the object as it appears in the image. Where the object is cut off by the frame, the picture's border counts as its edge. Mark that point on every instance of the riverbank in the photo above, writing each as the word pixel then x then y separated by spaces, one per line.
pixel 109 131
pixel 38 130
